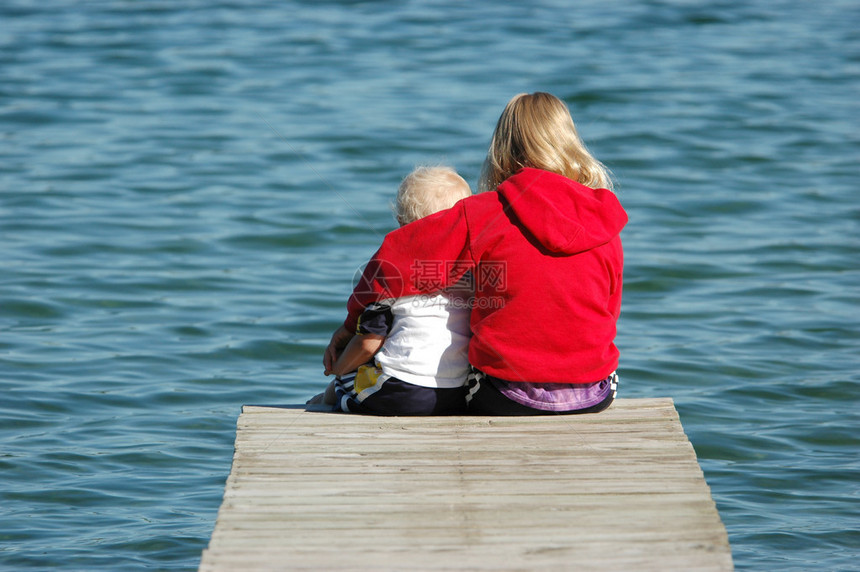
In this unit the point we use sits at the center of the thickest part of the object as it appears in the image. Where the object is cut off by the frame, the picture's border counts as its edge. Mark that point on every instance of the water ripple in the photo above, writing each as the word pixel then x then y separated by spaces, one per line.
pixel 187 190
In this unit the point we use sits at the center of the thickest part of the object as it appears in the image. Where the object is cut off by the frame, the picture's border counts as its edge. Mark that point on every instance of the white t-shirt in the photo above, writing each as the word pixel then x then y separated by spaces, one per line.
pixel 427 343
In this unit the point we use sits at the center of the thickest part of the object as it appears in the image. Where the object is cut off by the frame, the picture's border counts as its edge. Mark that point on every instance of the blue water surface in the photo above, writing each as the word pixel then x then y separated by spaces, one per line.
pixel 187 189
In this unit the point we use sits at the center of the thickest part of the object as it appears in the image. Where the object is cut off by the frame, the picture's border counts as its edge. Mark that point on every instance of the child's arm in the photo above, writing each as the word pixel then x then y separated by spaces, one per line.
pixel 360 349
pixel 338 342
pixel 440 236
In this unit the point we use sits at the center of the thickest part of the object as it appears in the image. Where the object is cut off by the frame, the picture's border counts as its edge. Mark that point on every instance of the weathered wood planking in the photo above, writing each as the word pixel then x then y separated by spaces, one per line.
pixel 619 490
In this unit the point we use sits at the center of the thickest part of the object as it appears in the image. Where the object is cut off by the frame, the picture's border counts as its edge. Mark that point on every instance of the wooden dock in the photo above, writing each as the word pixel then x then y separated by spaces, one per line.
pixel 619 490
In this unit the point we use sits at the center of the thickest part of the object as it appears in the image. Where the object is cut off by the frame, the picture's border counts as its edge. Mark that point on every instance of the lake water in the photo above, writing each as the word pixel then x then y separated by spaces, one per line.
pixel 187 189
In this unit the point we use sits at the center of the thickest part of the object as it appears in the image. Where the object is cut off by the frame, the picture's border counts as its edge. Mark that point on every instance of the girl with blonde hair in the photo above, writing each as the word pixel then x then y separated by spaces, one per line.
pixel 543 247
pixel 537 131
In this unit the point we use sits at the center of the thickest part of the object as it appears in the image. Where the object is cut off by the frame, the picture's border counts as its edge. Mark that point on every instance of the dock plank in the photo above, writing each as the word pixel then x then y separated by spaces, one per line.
pixel 620 490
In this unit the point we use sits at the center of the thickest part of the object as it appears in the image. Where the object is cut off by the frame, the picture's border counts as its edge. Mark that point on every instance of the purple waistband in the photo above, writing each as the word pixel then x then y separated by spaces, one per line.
pixel 556 396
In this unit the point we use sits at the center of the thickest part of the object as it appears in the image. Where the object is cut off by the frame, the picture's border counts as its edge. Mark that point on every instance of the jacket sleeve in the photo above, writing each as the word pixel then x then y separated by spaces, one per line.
pixel 617 280
pixel 421 257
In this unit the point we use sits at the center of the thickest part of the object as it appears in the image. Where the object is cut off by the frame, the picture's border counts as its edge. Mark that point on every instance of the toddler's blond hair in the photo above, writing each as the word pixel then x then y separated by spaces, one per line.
pixel 428 189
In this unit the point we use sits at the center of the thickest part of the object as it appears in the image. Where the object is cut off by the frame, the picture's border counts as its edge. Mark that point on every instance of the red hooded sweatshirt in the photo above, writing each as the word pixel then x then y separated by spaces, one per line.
pixel 546 263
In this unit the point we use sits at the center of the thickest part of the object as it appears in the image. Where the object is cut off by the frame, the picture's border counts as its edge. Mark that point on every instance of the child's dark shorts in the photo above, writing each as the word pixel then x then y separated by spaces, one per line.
pixel 371 392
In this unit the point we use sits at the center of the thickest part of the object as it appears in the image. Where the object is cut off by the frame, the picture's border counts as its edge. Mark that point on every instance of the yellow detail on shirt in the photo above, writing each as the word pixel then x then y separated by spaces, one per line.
pixel 366 377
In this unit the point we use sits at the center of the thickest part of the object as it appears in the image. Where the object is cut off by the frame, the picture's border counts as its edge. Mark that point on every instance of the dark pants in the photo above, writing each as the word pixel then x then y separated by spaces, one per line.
pixel 488 400
pixel 396 397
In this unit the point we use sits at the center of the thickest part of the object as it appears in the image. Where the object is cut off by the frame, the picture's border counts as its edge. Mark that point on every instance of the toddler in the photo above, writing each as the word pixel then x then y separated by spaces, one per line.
pixel 409 355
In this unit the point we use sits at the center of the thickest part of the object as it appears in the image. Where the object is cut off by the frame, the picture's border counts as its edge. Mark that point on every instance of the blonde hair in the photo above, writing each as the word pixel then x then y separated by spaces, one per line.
pixel 427 190
pixel 536 130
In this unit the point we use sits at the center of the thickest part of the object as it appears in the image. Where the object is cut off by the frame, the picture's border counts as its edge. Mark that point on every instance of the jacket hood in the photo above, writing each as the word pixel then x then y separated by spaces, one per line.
pixel 563 215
